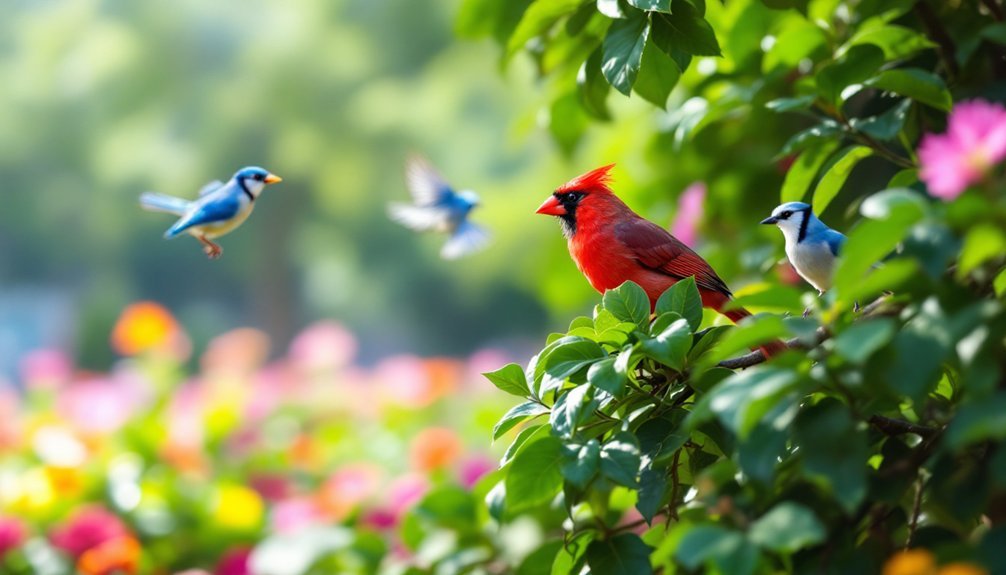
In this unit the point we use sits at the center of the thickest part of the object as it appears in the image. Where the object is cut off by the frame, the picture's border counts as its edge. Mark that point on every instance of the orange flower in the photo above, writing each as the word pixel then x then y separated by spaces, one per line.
pixel 444 375
pixel 434 448
pixel 962 569
pixel 146 326
pixel 118 555
pixel 911 562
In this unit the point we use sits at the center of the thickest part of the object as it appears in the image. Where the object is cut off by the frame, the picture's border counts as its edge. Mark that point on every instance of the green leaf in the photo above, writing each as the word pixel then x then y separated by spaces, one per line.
pixel 670 347
pixel 780 105
pixel 983 243
pixel 628 302
pixel 623 50
pixel 652 5
pixel 567 121
pixel 743 399
pixel 854 67
pixel 571 408
pixel 582 462
pixel 862 339
pixel 787 528
pixel 742 337
pixel 833 180
pixel 510 379
pixel 516 415
pixel 834 451
pixel 896 41
pixel 683 299
pixel 685 30
pixel 620 459
pixel 798 41
pixel 593 87
pixel 535 475
pixel 658 74
pixel 537 19
pixel 914 83
pixel 828 131
pixel 902 204
pixel 623 554
pixel 477 18
pixel 659 438
pixel 886 126
pixel 519 441
pixel 610 374
pixel 804 170
pixel 652 489
pixel 978 421
pixel 719 546
pixel 571 357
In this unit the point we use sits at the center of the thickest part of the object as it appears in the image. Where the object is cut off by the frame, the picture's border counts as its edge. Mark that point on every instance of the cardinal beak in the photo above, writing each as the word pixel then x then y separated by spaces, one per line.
pixel 272 179
pixel 551 207
pixel 770 220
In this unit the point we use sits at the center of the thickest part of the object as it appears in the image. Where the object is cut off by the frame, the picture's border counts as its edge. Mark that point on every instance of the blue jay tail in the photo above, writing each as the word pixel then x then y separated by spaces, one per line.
pixel 161 203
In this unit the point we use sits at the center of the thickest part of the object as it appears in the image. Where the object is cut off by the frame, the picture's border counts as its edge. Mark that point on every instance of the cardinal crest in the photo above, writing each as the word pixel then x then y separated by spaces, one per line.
pixel 597 178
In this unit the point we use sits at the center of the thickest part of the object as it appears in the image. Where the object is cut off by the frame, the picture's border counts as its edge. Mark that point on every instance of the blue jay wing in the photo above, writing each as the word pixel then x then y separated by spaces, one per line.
pixel 210 188
pixel 217 210
pixel 466 239
pixel 425 184
pixel 418 218
pixel 835 242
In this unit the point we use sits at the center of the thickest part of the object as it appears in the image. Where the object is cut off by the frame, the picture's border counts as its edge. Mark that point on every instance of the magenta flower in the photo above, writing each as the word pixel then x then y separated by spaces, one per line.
pixel 975 142
pixel 12 534
pixel 294 514
pixel 474 468
pixel 88 528
pixel 234 562
pixel 686 222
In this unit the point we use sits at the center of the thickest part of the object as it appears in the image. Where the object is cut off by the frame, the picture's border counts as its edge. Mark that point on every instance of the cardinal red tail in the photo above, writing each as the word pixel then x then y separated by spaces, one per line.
pixel 770 348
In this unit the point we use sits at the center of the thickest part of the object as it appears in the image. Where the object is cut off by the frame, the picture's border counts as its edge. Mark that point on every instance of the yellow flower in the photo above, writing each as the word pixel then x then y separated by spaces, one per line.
pixel 962 569
pixel 911 562
pixel 237 508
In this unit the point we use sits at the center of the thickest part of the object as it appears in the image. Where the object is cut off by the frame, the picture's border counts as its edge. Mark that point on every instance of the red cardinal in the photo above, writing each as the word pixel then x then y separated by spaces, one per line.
pixel 612 244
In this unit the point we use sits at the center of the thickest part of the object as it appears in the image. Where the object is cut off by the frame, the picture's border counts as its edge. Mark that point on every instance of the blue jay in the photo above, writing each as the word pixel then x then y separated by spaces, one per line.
pixel 811 246
pixel 437 207
pixel 219 209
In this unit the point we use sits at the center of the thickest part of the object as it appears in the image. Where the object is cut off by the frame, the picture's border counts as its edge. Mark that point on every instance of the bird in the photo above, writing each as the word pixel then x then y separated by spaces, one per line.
pixel 437 207
pixel 219 209
pixel 611 244
pixel 811 246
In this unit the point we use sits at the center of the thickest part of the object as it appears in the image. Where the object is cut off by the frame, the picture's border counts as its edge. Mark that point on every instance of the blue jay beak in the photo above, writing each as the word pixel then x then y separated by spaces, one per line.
pixel 770 220
pixel 272 179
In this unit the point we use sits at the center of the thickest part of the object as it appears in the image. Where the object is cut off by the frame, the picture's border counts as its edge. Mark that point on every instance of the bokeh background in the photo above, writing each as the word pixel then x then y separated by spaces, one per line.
pixel 326 369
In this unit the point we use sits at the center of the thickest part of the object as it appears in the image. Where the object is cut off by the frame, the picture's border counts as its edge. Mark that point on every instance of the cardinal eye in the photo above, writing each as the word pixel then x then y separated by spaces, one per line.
pixel 574 197
pixel 786 214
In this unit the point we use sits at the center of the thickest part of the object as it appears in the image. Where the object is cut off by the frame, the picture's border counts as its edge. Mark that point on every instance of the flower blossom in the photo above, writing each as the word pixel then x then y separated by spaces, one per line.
pixel 974 143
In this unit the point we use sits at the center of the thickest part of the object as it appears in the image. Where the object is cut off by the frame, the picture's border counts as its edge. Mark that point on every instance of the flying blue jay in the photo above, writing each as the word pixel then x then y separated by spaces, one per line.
pixel 437 207
pixel 811 246
pixel 219 209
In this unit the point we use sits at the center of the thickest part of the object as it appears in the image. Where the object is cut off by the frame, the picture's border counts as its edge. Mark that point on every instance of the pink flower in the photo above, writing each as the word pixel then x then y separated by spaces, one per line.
pixel 102 405
pixel 46 369
pixel 234 562
pixel 975 142
pixel 474 468
pixel 88 528
pixel 406 491
pixel 323 346
pixel 345 489
pixel 12 534
pixel 689 213
pixel 294 514
pixel 239 351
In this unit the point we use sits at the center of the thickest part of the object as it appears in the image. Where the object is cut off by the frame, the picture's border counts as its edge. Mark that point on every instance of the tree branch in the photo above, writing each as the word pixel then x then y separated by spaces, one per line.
pixel 899 427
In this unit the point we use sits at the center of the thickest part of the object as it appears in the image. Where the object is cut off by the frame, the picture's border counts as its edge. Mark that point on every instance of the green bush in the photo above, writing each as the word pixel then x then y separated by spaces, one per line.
pixel 647 443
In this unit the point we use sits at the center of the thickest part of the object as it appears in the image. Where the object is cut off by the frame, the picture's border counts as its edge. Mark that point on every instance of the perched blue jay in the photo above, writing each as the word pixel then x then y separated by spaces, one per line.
pixel 219 209
pixel 437 207
pixel 810 245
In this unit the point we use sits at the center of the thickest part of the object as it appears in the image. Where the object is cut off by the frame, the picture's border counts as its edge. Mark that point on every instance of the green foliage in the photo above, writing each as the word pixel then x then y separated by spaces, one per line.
pixel 815 459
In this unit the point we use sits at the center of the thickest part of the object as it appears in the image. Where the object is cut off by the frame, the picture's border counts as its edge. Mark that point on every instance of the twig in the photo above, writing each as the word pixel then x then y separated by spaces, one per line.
pixel 899 427
pixel 916 508
pixel 756 356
